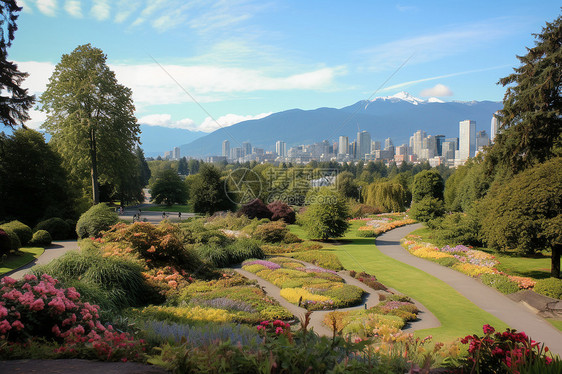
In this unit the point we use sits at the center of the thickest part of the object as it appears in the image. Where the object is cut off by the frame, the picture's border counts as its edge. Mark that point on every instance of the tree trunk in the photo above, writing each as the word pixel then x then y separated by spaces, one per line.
pixel 94 170
pixel 555 268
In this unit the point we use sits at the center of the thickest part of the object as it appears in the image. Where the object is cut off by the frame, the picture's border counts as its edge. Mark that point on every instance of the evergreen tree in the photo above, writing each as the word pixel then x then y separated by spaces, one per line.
pixel 183 168
pixel 209 193
pixel 326 216
pixel 427 183
pixel 15 102
pixel 169 188
pixel 531 118
pixel 144 170
pixel 91 119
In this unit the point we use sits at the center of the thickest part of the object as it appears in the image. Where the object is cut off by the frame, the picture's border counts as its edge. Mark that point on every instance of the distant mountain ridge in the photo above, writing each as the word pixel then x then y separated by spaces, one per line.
pixel 397 117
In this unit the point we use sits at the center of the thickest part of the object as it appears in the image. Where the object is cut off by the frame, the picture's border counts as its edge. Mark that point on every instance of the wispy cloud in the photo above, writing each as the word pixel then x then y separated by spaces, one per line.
pixel 73 8
pixel 208 124
pixel 124 9
pixel 439 90
pixel 26 8
pixel 411 83
pixel 406 8
pixel 47 7
pixel 101 10
pixel 147 12
pixel 431 47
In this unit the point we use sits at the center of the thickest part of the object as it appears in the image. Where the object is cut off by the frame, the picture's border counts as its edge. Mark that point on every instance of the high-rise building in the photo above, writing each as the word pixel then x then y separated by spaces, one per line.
pixel 363 145
pixel 353 149
pixel 448 149
pixel 482 140
pixel 281 148
pixel 375 145
pixel 343 146
pixel 417 142
pixel 176 153
pixel 236 153
pixel 226 148
pixel 455 141
pixel 467 139
pixel 494 127
pixel 439 139
pixel 246 149
pixel 388 143
pixel 402 150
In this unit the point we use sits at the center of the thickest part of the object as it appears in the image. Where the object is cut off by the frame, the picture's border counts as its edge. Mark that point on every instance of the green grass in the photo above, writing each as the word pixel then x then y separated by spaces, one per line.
pixel 174 208
pixel 23 257
pixel 458 315
pixel 556 323
pixel 537 267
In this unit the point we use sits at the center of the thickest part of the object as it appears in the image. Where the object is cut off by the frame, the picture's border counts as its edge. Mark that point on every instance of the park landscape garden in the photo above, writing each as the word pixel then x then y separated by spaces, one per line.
pixel 272 285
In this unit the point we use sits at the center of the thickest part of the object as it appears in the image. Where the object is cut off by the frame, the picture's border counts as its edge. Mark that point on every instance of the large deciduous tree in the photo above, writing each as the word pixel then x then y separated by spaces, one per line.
pixel 91 119
pixel 169 188
pixel 208 192
pixel 427 183
pixel 531 119
pixel 326 216
pixel 14 101
pixel 525 213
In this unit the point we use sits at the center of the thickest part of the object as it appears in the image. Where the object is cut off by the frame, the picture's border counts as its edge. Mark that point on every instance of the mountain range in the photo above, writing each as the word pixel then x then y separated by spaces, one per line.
pixel 397 117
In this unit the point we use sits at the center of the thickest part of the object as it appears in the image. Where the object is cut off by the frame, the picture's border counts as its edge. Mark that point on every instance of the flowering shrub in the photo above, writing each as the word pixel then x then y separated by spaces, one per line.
pixel 274 328
pixel 472 270
pixel 382 225
pixel 268 264
pixel 32 308
pixel 524 283
pixel 503 352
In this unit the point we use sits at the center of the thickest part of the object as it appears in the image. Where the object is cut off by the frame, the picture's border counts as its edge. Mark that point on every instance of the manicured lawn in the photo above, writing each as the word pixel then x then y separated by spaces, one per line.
pixel 509 262
pixel 458 316
pixel 174 208
pixel 556 323
pixel 24 256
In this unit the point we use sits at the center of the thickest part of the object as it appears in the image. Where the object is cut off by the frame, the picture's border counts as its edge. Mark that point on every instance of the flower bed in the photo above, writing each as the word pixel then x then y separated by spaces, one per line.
pixel 469 261
pixel 375 227
pixel 312 287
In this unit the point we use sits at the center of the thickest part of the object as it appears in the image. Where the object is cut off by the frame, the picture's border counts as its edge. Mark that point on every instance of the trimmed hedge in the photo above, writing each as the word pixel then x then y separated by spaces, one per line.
pixel 23 231
pixel 551 287
pixel 15 243
pixel 41 238
pixel 57 227
pixel 5 243
pixel 98 218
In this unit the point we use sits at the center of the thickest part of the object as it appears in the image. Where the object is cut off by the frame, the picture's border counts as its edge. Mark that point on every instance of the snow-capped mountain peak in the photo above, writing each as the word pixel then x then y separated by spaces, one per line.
pixel 402 96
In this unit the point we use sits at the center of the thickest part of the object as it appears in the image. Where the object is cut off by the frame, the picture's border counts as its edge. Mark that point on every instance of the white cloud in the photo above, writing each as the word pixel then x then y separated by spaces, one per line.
pixel 73 8
pixel 47 7
pixel 39 74
pixel 23 4
pixel 100 10
pixel 152 7
pixel 125 9
pixel 208 125
pixel 37 119
pixel 439 90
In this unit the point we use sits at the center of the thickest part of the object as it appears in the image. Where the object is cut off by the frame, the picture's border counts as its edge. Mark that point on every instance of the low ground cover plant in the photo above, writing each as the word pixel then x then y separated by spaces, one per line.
pixel 383 223
pixel 368 279
pixel 312 287
pixel 323 259
pixel 551 287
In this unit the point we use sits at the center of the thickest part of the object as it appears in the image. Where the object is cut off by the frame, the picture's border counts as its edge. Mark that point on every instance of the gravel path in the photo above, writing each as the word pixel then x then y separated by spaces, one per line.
pixel 514 314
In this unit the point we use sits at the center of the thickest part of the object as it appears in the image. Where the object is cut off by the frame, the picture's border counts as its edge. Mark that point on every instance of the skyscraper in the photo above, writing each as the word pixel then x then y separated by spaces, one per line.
pixel 363 144
pixel 246 148
pixel 417 142
pixel 176 153
pixel 467 139
pixel 388 143
pixel 439 139
pixel 343 146
pixel 482 139
pixel 494 127
pixel 226 148
pixel 281 148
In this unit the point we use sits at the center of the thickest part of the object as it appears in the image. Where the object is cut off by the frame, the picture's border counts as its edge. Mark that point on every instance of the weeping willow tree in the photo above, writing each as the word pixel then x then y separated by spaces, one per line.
pixel 387 196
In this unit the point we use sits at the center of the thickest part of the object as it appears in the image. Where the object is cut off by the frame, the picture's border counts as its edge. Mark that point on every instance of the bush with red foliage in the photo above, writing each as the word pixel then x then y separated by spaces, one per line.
pixel 255 209
pixel 280 210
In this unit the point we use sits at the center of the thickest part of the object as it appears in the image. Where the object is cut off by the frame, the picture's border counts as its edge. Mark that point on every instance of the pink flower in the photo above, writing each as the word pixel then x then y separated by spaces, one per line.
pixel 5 327
pixel 29 277
pixel 38 304
pixel 72 294
pixel 17 325
pixel 265 323
pixel 8 281
pixel 260 327
pixel 49 279
pixel 56 330
pixel 279 330
pixel 3 311
pixel 58 305
pixel 488 329
pixel 12 295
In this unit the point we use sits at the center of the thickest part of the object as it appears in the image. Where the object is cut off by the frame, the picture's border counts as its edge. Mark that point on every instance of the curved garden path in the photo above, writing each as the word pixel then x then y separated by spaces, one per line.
pixel 55 250
pixel 514 314
pixel 371 298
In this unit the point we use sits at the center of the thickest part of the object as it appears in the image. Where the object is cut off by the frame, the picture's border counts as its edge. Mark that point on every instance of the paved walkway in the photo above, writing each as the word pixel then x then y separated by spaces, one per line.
pixel 514 314
pixel 55 250
pixel 426 319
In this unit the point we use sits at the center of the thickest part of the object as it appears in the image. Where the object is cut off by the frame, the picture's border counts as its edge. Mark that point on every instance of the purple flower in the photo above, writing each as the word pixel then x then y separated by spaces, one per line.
pixel 268 264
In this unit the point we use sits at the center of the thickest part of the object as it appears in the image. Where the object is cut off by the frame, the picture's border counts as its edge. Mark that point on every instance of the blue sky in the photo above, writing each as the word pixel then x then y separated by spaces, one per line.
pixel 243 59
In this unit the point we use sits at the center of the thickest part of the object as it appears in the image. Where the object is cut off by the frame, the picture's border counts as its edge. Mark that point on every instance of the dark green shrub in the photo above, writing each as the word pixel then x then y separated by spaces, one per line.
pixel 500 283
pixel 41 238
pixel 447 261
pixel 5 243
pixel 72 224
pixel 98 218
pixel 15 243
pixel 551 287
pixel 23 231
pixel 366 233
pixel 457 228
pixel 291 238
pixel 272 232
pixel 345 296
pixel 215 255
pixel 427 209
pixel 57 227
